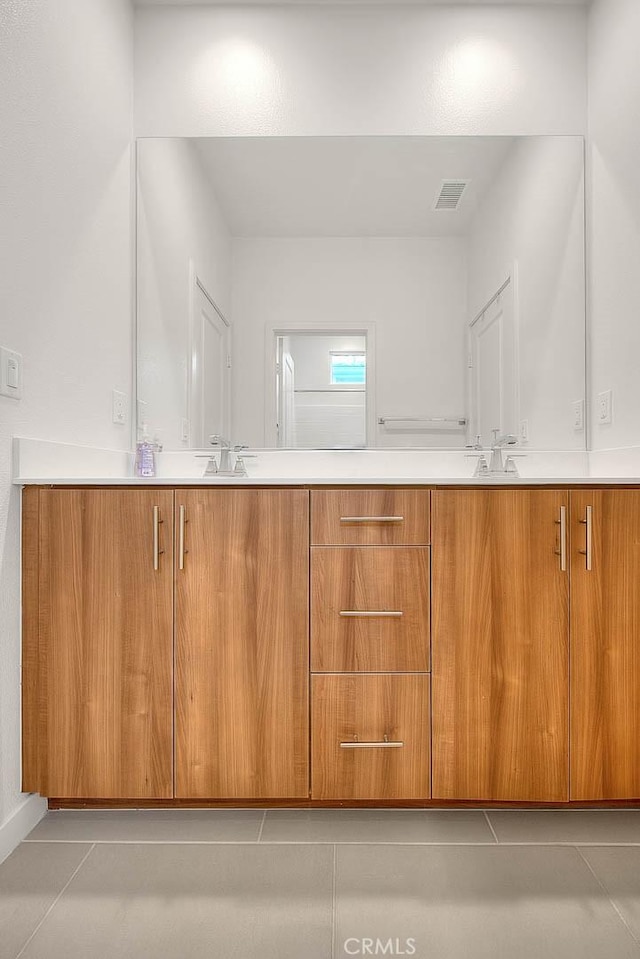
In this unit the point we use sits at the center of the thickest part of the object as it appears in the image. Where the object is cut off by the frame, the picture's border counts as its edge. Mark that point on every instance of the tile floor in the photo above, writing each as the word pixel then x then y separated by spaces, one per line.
pixel 324 884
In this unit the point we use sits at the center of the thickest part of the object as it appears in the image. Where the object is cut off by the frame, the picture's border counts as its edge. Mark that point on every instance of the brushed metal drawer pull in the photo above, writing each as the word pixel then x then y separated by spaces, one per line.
pixel 372 519
pixel 385 744
pixel 382 613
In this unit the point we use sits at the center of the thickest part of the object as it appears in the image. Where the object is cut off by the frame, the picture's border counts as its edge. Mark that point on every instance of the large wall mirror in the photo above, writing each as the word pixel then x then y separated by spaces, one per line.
pixel 347 292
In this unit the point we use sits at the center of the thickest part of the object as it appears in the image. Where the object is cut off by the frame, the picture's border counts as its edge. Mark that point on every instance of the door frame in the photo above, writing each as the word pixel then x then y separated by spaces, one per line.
pixel 196 286
pixel 291 328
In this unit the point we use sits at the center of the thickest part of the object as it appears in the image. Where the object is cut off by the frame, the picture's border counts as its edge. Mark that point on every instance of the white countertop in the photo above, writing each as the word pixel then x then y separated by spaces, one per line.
pixel 38 462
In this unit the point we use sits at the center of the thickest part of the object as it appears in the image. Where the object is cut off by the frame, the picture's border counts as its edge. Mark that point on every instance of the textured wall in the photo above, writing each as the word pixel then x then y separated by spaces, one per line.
pixel 65 260
pixel 205 71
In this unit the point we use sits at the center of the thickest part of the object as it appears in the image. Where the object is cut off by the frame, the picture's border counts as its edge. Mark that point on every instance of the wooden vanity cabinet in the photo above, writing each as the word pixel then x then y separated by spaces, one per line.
pixel 168 653
pixel 500 645
pixel 98 643
pixel 242 644
pixel 605 644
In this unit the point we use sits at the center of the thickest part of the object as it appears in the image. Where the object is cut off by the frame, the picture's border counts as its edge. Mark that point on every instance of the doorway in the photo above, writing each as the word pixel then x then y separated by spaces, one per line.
pixel 321 389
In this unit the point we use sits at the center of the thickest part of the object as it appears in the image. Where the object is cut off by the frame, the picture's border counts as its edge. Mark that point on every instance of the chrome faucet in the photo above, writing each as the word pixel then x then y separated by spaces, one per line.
pixel 224 445
pixel 496 463
pixel 224 467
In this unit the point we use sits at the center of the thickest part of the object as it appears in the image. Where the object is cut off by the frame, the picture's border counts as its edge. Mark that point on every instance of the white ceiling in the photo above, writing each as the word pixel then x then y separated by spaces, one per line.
pixel 390 3
pixel 347 186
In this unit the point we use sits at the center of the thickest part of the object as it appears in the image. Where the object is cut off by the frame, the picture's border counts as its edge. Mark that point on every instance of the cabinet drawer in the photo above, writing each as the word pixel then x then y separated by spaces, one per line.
pixel 369 608
pixel 373 517
pixel 370 737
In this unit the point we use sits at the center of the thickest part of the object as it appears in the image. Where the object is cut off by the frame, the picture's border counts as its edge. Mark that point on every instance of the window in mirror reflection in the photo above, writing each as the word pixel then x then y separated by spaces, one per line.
pixel 322 391
pixel 348 368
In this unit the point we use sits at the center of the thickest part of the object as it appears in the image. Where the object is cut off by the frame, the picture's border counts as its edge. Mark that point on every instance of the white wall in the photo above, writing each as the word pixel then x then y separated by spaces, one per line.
pixel 534 216
pixel 179 222
pixel 414 290
pixel 614 220
pixel 65 262
pixel 221 71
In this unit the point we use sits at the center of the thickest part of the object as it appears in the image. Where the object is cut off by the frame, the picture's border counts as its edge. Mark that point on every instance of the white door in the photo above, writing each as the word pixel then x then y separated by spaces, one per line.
pixel 494 369
pixel 287 394
pixel 210 366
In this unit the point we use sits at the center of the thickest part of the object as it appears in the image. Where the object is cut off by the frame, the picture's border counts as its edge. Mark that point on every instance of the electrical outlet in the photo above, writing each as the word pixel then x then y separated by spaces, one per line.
pixel 605 407
pixel 524 431
pixel 119 405
pixel 578 415
pixel 10 374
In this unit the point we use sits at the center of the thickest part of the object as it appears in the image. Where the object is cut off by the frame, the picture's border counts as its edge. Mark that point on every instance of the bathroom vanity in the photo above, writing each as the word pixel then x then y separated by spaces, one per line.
pixel 325 644
pixel 373 609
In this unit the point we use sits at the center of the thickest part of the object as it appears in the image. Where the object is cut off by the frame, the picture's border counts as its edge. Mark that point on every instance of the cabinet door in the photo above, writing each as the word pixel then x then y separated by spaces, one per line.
pixel 605 644
pixel 242 644
pixel 106 643
pixel 500 646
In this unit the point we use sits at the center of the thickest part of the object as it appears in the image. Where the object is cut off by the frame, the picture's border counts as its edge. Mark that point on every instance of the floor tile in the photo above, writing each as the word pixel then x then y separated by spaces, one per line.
pixel 619 869
pixel 151 825
pixel 30 880
pixel 573 826
pixel 163 901
pixel 376 825
pixel 475 902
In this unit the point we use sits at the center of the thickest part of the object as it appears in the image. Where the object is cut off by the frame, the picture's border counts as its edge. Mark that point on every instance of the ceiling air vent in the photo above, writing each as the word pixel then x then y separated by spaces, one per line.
pixel 450 195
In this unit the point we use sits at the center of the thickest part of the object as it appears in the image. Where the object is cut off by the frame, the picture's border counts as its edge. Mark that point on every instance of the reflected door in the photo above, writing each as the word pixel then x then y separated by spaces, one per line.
pixel 210 371
pixel 287 413
pixel 494 370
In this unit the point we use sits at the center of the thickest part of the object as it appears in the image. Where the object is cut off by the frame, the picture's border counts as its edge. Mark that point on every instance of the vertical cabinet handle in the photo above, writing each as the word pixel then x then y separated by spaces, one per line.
pixel 562 552
pixel 157 552
pixel 181 531
pixel 588 550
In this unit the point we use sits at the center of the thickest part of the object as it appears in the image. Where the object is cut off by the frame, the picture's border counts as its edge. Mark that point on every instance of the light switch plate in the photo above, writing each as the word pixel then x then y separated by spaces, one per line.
pixel 10 373
pixel 524 431
pixel 120 402
pixel 185 430
pixel 605 407
pixel 578 415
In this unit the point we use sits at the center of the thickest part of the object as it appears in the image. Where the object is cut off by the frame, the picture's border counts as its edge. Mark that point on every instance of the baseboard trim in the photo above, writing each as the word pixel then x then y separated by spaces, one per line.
pixel 20 823
pixel 61 803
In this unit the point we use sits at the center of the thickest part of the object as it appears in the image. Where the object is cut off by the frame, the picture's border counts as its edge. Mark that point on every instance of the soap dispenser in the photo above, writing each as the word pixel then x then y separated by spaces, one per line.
pixel 145 455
